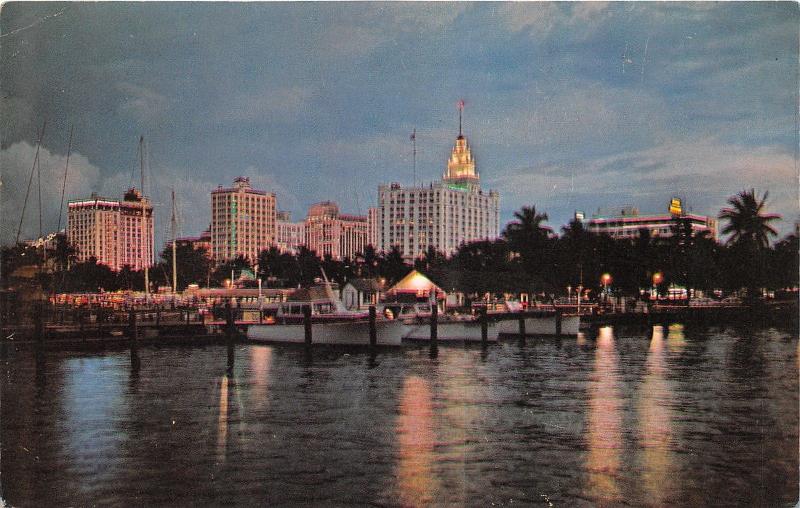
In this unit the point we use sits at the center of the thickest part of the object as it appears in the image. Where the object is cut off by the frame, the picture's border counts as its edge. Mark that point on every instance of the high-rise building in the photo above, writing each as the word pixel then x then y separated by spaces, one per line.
pixel 290 236
pixel 442 215
pixel 373 227
pixel 242 221
pixel 329 232
pixel 116 233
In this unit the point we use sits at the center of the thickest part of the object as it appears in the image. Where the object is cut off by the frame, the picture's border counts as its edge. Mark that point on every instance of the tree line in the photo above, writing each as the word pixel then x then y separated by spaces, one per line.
pixel 528 257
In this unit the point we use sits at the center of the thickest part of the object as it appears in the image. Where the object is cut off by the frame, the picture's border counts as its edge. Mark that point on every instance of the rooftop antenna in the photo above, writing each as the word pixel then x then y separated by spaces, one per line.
pixel 460 111
pixel 414 153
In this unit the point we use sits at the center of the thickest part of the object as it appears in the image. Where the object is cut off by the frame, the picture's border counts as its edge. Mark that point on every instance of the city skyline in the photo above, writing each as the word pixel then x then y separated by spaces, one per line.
pixel 568 106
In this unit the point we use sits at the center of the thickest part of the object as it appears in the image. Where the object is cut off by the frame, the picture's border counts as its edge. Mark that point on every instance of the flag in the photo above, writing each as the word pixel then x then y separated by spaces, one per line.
pixel 414 135
pixel 461 104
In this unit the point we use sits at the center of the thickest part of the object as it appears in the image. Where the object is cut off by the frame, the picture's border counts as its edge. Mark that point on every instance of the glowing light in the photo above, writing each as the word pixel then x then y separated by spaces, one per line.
pixel 606 279
pixel 658 278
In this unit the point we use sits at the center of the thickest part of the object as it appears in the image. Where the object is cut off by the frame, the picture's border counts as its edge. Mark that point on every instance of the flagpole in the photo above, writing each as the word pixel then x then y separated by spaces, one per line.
pixel 414 152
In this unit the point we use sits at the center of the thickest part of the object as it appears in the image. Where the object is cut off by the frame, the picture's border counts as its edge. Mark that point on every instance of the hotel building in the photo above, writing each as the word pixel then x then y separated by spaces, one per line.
pixel 626 222
pixel 116 233
pixel 329 232
pixel 289 235
pixel 442 215
pixel 242 221
pixel 196 242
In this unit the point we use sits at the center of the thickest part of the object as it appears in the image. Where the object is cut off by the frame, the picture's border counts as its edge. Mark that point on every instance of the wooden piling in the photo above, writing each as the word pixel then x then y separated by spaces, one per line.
pixel 434 324
pixel 133 330
pixel 39 322
pixel 522 328
pixel 484 326
pixel 373 332
pixel 307 324
pixel 230 324
pixel 558 323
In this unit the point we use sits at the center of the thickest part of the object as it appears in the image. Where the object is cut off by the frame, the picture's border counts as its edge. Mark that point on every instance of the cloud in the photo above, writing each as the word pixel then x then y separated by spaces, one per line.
pixel 268 104
pixel 704 172
pixel 542 19
pixel 142 103
pixel 16 162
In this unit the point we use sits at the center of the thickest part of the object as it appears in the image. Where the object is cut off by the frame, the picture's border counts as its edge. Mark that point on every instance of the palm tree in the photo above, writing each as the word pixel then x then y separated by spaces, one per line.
pixel 749 230
pixel 748 225
pixel 527 229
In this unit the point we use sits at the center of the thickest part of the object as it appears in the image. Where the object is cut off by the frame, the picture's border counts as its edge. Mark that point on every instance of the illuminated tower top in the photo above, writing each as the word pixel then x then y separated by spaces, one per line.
pixel 461 165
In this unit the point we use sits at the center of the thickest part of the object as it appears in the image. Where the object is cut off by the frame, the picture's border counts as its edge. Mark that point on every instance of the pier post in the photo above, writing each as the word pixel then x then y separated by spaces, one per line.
pixel 230 323
pixel 133 331
pixel 484 326
pixel 187 317
pixel 434 324
pixel 39 322
pixel 373 333
pixel 522 328
pixel 158 317
pixel 307 324
pixel 558 322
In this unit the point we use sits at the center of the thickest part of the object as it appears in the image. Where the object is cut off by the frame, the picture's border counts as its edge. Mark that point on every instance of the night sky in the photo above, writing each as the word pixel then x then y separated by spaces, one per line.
pixel 568 105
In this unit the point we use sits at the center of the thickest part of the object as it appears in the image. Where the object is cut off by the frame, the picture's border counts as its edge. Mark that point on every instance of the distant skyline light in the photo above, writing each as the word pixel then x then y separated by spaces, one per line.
pixel 569 106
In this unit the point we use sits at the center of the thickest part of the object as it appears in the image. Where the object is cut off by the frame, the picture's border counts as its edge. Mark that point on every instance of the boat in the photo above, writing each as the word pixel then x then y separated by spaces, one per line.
pixel 331 322
pixel 451 328
pixel 537 323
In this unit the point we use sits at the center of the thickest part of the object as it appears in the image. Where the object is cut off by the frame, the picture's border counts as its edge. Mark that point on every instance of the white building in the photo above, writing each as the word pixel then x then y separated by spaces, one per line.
pixel 442 215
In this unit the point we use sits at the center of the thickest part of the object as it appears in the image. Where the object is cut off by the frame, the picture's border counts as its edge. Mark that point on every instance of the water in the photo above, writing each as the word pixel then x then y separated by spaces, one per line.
pixel 661 417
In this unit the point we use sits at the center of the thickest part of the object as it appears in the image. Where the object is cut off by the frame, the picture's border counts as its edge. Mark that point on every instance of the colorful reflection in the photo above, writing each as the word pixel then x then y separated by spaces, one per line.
pixel 260 362
pixel 604 430
pixel 222 421
pixel 417 484
pixel 655 424
pixel 676 341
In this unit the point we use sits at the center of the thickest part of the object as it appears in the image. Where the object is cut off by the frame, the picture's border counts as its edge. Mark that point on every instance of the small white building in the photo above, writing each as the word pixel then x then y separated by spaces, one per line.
pixel 361 293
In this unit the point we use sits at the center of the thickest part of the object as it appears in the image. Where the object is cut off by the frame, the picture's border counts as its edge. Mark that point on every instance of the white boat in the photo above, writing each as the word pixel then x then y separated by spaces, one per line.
pixel 331 322
pixel 539 325
pixel 451 329
pixel 330 331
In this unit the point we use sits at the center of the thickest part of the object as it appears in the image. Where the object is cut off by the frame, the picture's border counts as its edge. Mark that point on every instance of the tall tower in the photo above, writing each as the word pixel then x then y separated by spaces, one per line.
pixel 461 165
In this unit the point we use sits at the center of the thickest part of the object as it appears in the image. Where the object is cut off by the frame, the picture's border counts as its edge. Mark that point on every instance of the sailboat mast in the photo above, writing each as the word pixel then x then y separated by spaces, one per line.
pixel 64 185
pixel 145 250
pixel 174 248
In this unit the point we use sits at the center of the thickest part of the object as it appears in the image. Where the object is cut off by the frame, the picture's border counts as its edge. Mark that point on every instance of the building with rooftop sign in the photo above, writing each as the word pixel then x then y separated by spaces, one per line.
pixel 442 215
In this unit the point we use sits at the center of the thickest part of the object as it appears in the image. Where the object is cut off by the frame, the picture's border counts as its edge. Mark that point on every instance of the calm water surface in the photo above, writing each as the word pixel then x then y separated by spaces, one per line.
pixel 668 416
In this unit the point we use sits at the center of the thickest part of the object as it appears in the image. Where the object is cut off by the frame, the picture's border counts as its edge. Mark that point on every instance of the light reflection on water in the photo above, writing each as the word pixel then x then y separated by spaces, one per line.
pixel 655 422
pixel 668 416
pixel 416 438
pixel 604 427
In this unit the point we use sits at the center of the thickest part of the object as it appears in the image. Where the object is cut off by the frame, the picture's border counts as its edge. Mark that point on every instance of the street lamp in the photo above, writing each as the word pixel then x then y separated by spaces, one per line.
pixel 658 278
pixel 605 279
